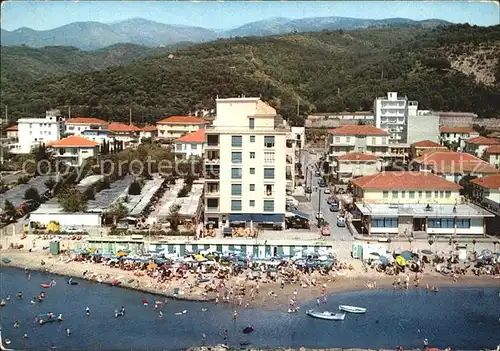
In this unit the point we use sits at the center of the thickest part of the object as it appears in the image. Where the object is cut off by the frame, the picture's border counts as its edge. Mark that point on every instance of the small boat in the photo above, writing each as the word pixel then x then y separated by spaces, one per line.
pixel 145 302
pixel 115 282
pixel 326 315
pixel 45 285
pixel 248 330
pixel 72 282
pixel 245 343
pixel 2 303
pixel 203 280
pixel 5 260
pixel 49 318
pixel 204 309
pixel 184 312
pixel 178 313
pixel 352 309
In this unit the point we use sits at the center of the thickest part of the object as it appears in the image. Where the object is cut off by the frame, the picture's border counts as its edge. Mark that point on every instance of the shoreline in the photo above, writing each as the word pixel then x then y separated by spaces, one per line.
pixel 343 282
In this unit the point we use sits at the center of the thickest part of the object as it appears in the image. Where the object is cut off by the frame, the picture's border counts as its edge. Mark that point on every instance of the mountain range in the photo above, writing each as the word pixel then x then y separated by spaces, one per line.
pixel 139 31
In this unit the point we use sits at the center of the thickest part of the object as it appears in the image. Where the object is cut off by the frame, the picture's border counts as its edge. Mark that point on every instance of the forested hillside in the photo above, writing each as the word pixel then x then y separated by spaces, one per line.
pixel 326 71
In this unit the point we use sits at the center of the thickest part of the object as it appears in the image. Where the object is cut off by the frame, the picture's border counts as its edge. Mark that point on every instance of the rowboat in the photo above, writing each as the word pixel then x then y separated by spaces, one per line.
pixel 352 309
pixel 44 285
pixel 326 315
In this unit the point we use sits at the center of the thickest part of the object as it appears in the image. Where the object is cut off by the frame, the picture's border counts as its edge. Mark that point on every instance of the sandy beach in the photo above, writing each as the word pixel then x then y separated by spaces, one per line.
pixel 338 281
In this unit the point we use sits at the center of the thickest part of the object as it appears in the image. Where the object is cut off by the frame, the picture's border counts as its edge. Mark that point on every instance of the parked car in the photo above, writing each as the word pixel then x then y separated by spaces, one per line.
pixel 321 183
pixel 308 190
pixel 327 191
pixel 340 222
pixel 72 230
pixel 319 215
pixel 317 174
pixel 334 207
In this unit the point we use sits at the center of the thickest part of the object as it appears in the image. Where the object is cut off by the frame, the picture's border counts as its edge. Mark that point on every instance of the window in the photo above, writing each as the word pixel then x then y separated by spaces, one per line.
pixel 194 146
pixel 412 194
pixel 386 194
pixel 403 194
pixel 441 194
pixel 269 190
pixel 252 170
pixel 252 155
pixel 436 194
pixel 252 187
pixel 440 222
pixel 337 140
pixel 236 157
pixel 235 189
pixel 179 147
pixel 251 203
pixel 268 205
pixel 463 223
pixel 374 141
pixel 394 194
pixel 236 141
pixel 385 222
pixel 268 173
pixel 428 194
pixel 252 138
pixel 236 173
pixel 419 194
pixel 268 141
pixel 268 157
pixel 347 139
pixel 251 123
pixel 235 205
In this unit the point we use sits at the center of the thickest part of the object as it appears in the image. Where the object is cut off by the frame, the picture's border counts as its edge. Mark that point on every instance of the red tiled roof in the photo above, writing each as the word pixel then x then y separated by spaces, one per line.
pixel 73 141
pixel 357 130
pixel 183 120
pixel 493 150
pixel 428 144
pixel 405 180
pixel 13 128
pixel 483 141
pixel 490 182
pixel 85 120
pixel 194 137
pixel 122 127
pixel 149 128
pixel 450 129
pixel 357 156
pixel 454 162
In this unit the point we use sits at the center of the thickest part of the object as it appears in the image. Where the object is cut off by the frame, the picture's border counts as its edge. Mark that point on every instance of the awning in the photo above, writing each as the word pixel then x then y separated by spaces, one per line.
pixel 300 214
pixel 240 217
pixel 268 218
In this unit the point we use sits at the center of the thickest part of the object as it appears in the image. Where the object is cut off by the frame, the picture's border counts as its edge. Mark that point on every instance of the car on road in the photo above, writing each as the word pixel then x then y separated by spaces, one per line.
pixel 327 191
pixel 340 222
pixel 317 174
pixel 308 190
pixel 72 230
pixel 319 215
pixel 321 183
pixel 334 207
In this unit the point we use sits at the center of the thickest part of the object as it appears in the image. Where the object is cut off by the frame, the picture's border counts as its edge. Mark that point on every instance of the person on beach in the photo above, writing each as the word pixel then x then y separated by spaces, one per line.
pixel 68 332
pixel 318 302
pixel 122 311
pixel 87 311
pixel 16 324
pixel 282 284
pixel 204 338
pixel 116 313
pixel 225 334
pixel 20 295
pixel 160 315
pixel 25 335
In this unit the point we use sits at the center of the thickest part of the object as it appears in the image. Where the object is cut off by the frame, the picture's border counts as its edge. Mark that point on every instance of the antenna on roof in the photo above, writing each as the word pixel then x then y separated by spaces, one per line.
pixel 130 117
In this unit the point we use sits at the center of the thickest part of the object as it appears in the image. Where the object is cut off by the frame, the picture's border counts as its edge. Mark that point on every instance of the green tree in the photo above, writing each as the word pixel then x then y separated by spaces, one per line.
pixel 9 208
pixel 117 211
pixel 72 200
pixel 135 188
pixel 32 194
pixel 174 217
pixel 50 184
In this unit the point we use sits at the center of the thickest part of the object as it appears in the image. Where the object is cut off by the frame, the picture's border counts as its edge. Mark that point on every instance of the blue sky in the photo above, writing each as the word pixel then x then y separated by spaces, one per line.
pixel 222 15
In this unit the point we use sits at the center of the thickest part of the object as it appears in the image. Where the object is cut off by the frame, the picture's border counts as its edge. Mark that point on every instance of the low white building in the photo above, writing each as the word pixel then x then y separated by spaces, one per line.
pixel 299 134
pixel 12 133
pixel 456 136
pixel 355 164
pixel 174 127
pixel 74 150
pixel 148 132
pixel 78 125
pixel 476 146
pixel 190 145
pixel 33 132
pixel 492 155
pixel 53 212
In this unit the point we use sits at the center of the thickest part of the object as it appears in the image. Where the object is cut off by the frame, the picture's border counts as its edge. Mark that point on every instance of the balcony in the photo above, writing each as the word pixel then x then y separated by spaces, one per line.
pixel 212 161
pixel 289 176
pixel 212 190
pixel 211 209
pixel 212 175
pixel 67 154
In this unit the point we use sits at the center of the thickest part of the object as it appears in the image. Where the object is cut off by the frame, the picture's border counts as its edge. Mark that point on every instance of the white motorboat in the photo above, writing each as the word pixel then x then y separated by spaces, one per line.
pixel 352 309
pixel 326 315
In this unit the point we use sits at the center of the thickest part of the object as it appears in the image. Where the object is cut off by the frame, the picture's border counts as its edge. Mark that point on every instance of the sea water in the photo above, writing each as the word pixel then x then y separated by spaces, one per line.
pixel 464 318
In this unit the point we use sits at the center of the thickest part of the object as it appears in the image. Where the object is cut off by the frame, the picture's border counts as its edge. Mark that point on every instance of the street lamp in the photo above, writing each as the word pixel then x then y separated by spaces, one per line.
pixel 319 206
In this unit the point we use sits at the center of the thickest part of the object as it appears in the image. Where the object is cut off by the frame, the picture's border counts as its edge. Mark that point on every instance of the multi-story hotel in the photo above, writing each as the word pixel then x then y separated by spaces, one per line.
pixel 391 115
pixel 245 164
pixel 35 131
pixel 174 127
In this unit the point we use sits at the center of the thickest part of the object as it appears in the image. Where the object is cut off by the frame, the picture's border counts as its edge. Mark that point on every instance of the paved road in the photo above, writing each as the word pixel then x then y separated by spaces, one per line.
pixel 308 162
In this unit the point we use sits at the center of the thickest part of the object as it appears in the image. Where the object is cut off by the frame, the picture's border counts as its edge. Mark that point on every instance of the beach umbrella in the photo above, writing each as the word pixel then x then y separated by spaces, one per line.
pixel 375 254
pixel 152 266
pixel 407 255
pixel 384 260
pixel 486 253
pixel 426 252
pixel 122 254
pixel 401 261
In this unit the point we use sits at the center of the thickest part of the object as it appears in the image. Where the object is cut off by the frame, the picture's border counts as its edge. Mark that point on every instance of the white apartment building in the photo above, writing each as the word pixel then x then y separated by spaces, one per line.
pixel 422 125
pixel 476 146
pixel 74 150
pixel 492 155
pixel 391 115
pixel 357 138
pixel 291 157
pixel 35 131
pixel 300 137
pixel 78 125
pixel 455 136
pixel 246 175
pixel 190 145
